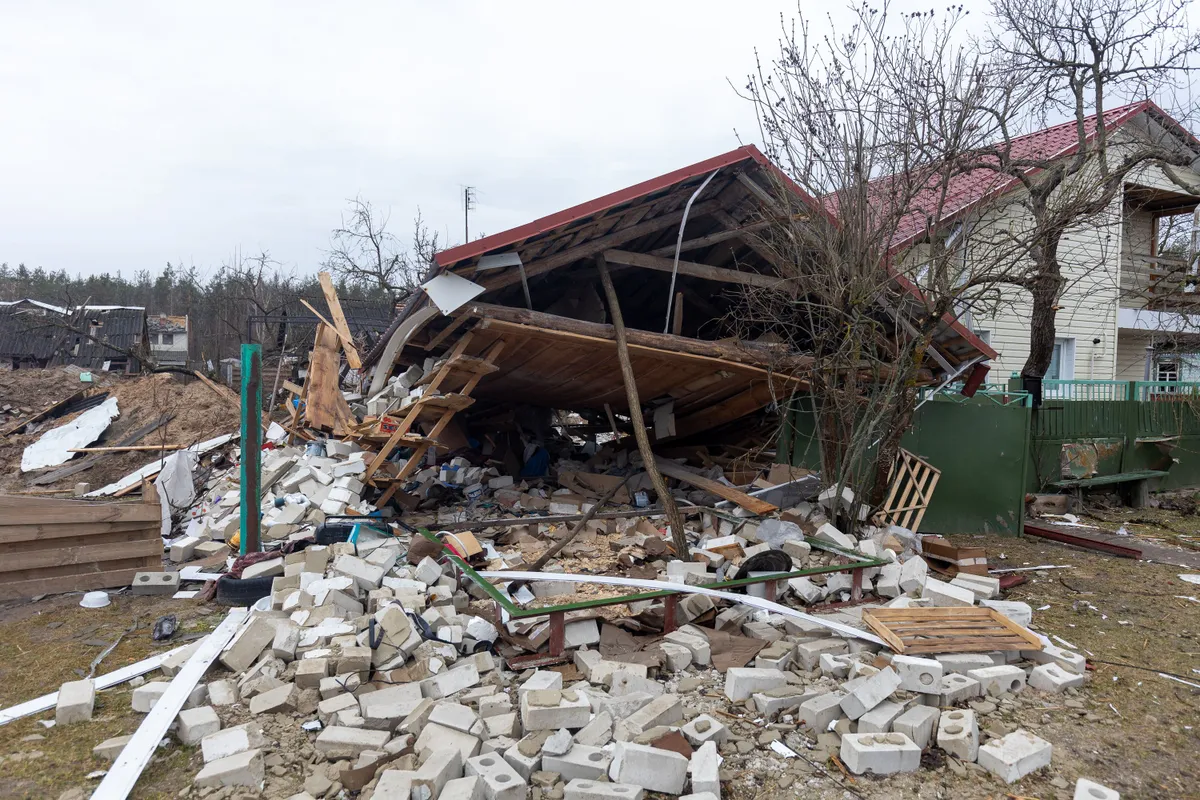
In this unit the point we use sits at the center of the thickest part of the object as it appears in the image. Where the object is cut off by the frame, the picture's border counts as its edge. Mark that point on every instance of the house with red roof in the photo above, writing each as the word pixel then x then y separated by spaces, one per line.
pixel 1129 310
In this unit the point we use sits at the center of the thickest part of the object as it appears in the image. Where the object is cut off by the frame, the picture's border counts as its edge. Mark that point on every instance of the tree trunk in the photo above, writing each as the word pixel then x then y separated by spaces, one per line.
pixel 1044 294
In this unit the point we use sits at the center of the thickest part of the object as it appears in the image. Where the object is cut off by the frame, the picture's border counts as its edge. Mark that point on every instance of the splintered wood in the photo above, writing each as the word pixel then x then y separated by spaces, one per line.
pixel 913 631
pixel 912 483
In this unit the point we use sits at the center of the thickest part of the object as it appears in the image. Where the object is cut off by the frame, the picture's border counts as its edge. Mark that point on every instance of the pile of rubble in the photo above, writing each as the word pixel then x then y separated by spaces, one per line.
pixel 373 667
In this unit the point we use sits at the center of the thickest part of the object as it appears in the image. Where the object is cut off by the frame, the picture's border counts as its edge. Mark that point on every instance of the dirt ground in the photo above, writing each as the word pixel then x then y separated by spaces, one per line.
pixel 199 415
pixel 1128 728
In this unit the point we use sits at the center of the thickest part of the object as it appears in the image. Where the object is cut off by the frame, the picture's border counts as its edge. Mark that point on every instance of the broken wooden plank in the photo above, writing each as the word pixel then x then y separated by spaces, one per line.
pixel 339 320
pixel 680 473
pixel 325 407
pixel 21 423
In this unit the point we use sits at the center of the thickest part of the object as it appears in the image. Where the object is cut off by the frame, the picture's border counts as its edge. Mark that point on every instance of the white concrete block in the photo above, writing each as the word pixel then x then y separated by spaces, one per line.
pixel 958 734
pixel 962 663
pixel 450 682
pixel 500 780
pixel 231 741
pixel 664 710
pixel 808 654
pixel 242 769
pixel 913 574
pixel 956 689
pixel 341 742
pixel 572 711
pixel 1018 612
pixel 197 723
pixel 829 533
pixel 821 710
pixel 437 738
pixel 76 701
pixel 742 682
pixel 705 769
pixel 999 679
pixel 1090 790
pixel 580 789
pixel 880 718
pixel 984 587
pixel 653 769
pixel 806 590
pixel 1014 756
pixel 942 595
pixel 581 761
pixel 918 723
pixel 703 729
pixel 918 674
pixel 879 753
pixel 1053 678
pixel 1071 662
pixel 870 693
pixel 384 709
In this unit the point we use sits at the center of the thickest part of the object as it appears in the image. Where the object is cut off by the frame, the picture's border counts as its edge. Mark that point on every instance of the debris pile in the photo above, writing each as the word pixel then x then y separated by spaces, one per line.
pixel 377 662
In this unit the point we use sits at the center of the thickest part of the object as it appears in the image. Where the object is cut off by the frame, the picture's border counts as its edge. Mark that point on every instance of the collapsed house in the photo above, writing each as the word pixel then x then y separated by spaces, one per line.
pixel 36 334
pixel 520 318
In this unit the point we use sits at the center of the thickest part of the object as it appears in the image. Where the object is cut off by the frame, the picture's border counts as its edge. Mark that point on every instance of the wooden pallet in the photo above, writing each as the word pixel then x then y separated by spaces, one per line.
pixel 913 631
pixel 912 483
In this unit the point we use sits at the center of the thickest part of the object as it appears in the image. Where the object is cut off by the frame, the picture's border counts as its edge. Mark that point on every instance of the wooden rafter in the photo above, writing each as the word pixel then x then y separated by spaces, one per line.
pixel 692 268
pixel 339 320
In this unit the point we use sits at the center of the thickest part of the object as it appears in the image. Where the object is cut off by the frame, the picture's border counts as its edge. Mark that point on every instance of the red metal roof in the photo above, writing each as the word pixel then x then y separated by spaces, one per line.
pixel 507 239
pixel 969 189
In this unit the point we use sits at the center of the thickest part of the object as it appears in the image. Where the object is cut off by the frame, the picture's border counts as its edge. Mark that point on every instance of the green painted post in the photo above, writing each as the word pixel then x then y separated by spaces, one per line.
pixel 251 445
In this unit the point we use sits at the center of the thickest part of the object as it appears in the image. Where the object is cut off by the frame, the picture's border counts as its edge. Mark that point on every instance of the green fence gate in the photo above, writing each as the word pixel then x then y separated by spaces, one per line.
pixel 978 443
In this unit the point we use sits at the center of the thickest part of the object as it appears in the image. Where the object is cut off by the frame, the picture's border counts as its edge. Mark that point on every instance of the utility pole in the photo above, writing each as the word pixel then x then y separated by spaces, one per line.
pixel 468 204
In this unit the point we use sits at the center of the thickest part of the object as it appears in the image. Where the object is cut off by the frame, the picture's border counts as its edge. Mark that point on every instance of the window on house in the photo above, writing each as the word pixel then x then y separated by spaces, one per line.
pixel 167 338
pixel 984 336
pixel 1062 363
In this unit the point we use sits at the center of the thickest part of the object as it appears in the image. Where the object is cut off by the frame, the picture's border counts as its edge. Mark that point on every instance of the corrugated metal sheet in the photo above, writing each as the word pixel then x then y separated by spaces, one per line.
pixel 124 328
pixel 27 333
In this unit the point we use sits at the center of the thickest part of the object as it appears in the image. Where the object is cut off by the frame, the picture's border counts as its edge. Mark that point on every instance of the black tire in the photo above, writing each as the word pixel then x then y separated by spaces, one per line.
pixel 242 592
pixel 333 532
pixel 766 561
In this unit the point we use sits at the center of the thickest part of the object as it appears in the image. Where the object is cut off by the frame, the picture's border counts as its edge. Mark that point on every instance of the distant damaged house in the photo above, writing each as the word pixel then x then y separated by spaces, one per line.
pixel 34 334
pixel 28 339
pixel 168 338
pixel 115 335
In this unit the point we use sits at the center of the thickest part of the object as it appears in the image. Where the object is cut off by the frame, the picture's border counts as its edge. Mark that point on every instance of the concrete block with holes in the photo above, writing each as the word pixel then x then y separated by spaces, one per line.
pixel 997 680
pixel 500 780
pixel 580 789
pixel 958 734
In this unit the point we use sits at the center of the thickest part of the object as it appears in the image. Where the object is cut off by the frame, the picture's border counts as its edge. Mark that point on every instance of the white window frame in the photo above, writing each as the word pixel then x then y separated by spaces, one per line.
pixel 1066 367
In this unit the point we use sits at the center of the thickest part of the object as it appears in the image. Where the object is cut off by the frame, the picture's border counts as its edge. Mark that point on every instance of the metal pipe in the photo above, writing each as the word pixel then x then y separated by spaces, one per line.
pixel 679 245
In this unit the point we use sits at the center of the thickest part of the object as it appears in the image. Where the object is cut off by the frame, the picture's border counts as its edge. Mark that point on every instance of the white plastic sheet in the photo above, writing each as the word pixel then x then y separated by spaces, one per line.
pixel 176 485
pixel 54 446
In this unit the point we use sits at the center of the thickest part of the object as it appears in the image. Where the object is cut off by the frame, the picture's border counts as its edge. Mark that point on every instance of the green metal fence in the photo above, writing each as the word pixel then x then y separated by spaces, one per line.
pixel 1084 390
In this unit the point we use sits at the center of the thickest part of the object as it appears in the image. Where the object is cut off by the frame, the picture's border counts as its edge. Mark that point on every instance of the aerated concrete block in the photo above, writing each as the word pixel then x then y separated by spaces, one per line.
pixel 918 723
pixel 580 789
pixel 1053 678
pixel 242 769
pixel 818 712
pixel 1018 612
pixel 705 729
pixel 879 753
pixel 742 682
pixel 1090 790
pixel 664 710
pixel 384 709
pixel 76 701
pixel 1014 756
pixel 918 674
pixel 580 761
pixel 944 595
pixel 248 646
pixel 500 780
pixel 436 738
pixel 705 769
pixel 997 680
pixel 231 741
pixel 336 742
pixel 958 734
pixel 809 653
pixel 197 723
pixel 962 663
pixel 870 693
pixel 653 769
pixel 541 711
pixel 1050 654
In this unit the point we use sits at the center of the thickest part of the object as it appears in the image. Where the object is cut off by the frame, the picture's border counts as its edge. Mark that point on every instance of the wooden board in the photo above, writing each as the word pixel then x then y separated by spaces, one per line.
pixel 325 408
pixel 914 631
pixel 21 423
pixel 339 320
pixel 49 545
pixel 751 504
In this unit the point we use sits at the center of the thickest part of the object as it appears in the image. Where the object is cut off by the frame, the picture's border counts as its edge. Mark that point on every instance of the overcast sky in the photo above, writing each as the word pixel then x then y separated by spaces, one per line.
pixel 137 133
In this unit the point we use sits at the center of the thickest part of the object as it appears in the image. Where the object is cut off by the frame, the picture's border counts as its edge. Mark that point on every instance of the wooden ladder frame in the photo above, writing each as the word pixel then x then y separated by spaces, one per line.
pixel 422 444
pixel 912 483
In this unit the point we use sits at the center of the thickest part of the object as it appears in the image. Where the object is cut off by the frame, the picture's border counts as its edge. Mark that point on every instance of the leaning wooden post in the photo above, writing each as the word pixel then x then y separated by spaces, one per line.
pixel 251 446
pixel 674 518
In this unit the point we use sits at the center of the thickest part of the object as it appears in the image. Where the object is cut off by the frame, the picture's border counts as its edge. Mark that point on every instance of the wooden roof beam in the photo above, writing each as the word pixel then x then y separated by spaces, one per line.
pixel 693 268
pixel 598 245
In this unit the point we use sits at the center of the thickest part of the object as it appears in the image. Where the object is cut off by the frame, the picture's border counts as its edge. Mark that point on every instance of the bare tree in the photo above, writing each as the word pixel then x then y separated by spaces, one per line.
pixel 877 121
pixel 363 252
pixel 1088 56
